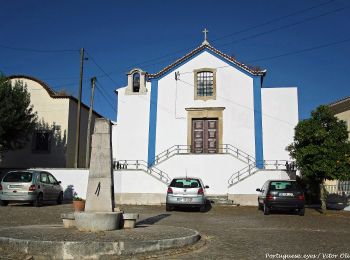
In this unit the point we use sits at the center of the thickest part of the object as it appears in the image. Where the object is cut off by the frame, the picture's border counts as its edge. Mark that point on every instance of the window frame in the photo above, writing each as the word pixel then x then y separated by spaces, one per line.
pixel 202 70
pixel 35 139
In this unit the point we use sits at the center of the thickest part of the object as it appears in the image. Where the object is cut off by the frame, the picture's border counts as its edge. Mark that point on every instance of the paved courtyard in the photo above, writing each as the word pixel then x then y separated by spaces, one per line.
pixel 228 232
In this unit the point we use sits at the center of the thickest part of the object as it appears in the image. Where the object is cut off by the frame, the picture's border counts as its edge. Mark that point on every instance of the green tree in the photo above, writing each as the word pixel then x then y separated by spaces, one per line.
pixel 17 118
pixel 321 149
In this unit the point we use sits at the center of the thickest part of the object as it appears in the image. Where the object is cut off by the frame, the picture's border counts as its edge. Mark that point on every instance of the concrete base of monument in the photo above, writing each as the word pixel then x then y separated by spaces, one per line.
pixel 97 221
pixel 129 220
pixel 68 220
pixel 57 242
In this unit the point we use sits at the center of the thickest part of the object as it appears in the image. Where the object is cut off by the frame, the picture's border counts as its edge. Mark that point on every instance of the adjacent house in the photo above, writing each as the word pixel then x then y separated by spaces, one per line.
pixel 341 109
pixel 206 115
pixel 52 145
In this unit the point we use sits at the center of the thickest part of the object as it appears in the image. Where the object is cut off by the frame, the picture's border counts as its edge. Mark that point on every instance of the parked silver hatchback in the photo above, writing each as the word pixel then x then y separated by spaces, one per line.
pixel 30 186
pixel 186 191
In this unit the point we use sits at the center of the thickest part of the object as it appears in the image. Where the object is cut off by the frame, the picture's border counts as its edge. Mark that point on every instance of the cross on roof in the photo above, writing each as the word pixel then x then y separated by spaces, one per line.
pixel 205 36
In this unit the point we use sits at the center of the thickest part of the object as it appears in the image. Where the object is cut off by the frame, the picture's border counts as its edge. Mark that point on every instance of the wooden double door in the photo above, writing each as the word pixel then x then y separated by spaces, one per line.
pixel 204 135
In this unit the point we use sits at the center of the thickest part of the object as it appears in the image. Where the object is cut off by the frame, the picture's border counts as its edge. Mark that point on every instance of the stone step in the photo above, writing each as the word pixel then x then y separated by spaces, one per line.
pixel 220 200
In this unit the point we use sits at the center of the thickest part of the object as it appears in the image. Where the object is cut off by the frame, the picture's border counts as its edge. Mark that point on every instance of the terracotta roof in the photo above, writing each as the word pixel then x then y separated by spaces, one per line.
pixel 340 105
pixel 250 70
pixel 342 100
pixel 50 91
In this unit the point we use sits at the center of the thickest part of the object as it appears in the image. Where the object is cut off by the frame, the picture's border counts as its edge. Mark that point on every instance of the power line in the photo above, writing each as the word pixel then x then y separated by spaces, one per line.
pixel 273 20
pixel 284 26
pixel 36 50
pixel 286 54
pixel 98 86
pixel 243 106
pixel 237 32
pixel 301 51
pixel 105 73
pixel 263 33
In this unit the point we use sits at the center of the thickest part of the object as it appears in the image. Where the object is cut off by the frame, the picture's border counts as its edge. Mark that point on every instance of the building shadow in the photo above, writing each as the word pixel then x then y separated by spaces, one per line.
pixel 46 148
pixel 151 220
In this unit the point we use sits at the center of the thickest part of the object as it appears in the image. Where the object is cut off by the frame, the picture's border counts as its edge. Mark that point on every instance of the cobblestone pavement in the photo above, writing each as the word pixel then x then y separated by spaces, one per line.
pixel 228 232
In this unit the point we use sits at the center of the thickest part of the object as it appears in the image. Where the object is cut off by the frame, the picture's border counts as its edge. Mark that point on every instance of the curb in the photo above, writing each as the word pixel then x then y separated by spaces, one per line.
pixel 94 250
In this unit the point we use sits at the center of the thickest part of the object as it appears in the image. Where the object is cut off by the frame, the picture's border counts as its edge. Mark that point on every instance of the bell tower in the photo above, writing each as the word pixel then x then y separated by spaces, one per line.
pixel 136 82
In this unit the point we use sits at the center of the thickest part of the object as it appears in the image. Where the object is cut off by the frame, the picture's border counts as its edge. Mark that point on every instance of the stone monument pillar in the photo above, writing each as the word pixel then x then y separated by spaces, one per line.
pixel 100 191
pixel 99 212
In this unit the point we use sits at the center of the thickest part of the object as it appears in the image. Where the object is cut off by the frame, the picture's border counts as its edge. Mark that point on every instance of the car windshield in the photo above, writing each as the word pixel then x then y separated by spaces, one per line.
pixel 18 177
pixel 283 185
pixel 185 183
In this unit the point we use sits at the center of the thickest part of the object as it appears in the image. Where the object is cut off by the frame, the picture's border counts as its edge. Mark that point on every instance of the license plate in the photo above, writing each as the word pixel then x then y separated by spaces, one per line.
pixel 15 186
pixel 287 194
pixel 184 199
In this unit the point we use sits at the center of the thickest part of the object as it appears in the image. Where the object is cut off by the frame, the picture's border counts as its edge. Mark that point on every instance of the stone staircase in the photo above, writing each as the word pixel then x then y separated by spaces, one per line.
pixel 220 200
pixel 252 167
pixel 140 165
pixel 186 149
pixel 266 165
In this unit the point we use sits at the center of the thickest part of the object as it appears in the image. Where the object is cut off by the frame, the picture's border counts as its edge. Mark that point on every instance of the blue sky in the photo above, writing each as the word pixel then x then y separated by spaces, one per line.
pixel 300 43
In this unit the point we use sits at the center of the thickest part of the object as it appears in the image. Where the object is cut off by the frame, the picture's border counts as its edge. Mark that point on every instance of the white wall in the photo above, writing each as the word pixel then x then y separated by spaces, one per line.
pixel 137 187
pixel 131 133
pixel 137 182
pixel 234 92
pixel 249 185
pixel 76 177
pixel 280 116
pixel 213 169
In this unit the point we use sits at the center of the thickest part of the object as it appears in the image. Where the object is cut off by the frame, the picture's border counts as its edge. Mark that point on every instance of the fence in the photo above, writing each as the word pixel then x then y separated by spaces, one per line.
pixel 341 188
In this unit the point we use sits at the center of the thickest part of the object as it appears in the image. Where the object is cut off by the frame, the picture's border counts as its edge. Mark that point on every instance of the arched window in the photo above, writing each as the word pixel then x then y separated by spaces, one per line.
pixel 136 82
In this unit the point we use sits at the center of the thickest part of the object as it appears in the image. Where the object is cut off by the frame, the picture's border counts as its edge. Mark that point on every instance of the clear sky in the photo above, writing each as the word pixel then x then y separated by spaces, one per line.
pixel 303 43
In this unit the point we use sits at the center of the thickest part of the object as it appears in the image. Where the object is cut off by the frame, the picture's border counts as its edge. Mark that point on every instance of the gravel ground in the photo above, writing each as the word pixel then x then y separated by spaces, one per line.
pixel 227 232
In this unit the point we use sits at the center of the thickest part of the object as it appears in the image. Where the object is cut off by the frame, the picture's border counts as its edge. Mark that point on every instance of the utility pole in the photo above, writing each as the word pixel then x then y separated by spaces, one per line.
pixel 88 137
pixel 77 133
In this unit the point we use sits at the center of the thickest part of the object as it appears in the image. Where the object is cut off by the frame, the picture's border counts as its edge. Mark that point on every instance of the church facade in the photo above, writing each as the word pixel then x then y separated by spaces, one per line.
pixel 206 115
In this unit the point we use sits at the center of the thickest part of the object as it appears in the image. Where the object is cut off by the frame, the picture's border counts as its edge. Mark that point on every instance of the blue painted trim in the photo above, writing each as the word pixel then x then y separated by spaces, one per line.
pixel 259 153
pixel 214 54
pixel 152 130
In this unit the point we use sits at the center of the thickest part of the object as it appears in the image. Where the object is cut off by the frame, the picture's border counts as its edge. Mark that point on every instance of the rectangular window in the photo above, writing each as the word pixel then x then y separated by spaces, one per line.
pixel 41 141
pixel 205 84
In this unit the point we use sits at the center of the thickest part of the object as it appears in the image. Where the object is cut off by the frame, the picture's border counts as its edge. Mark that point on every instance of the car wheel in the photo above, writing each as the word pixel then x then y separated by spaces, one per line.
pixel 38 202
pixel 266 210
pixel 260 207
pixel 168 208
pixel 301 212
pixel 60 198
pixel 202 208
pixel 4 203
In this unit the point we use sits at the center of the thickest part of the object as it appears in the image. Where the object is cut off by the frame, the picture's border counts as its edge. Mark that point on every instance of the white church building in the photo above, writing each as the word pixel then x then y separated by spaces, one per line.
pixel 206 115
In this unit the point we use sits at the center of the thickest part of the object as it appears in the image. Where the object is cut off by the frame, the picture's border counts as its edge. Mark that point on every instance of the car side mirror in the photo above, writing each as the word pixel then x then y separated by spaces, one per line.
pixel 258 190
pixel 59 182
pixel 206 186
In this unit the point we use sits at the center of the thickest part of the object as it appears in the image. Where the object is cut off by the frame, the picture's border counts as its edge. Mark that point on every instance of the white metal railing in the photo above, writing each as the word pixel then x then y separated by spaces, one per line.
pixel 252 168
pixel 341 188
pixel 142 166
pixel 187 149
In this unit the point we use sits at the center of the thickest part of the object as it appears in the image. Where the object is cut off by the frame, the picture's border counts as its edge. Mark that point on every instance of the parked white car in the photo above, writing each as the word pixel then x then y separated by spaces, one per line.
pixel 186 191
